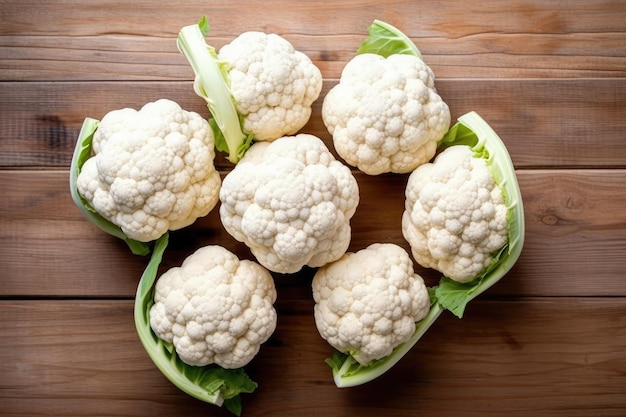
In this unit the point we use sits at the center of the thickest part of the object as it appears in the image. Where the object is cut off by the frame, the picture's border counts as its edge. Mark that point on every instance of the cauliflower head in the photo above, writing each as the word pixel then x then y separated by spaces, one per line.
pixel 151 170
pixel 215 308
pixel 273 84
pixel 455 214
pixel 290 201
pixel 368 302
pixel 385 114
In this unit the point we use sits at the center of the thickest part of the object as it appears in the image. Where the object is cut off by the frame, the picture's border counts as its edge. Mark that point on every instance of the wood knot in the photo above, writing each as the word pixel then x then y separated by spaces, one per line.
pixel 550 219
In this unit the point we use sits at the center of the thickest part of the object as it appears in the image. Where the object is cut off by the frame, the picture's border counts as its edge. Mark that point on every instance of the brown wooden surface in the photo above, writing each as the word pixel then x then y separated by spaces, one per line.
pixel 549 340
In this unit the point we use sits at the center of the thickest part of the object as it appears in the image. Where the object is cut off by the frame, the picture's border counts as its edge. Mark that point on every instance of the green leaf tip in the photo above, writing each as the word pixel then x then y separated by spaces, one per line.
pixel 82 152
pixel 203 24
pixel 454 296
pixel 385 39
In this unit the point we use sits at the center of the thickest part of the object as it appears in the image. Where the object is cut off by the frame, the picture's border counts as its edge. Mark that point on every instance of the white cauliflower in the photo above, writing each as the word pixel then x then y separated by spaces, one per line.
pixel 367 303
pixel 385 114
pixel 257 87
pixel 290 201
pixel 215 308
pixel 151 170
pixel 455 216
pixel 273 84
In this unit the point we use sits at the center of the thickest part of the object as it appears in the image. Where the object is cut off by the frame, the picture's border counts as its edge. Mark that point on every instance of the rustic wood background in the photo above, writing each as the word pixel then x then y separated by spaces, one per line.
pixel 548 340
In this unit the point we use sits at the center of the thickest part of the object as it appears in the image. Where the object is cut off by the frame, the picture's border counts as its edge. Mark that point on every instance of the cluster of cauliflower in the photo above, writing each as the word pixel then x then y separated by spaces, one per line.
pixel 290 201
pixel 385 114
pixel 273 84
pixel 215 308
pixel 455 216
pixel 368 302
pixel 152 169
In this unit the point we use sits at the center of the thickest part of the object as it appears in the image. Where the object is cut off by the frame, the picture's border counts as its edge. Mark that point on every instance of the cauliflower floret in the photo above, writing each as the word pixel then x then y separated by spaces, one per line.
pixel 367 303
pixel 273 84
pixel 152 169
pixel 455 214
pixel 290 201
pixel 385 114
pixel 215 308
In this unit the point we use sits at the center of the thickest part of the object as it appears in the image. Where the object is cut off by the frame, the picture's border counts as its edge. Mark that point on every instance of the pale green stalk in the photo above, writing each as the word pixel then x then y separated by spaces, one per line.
pixel 212 84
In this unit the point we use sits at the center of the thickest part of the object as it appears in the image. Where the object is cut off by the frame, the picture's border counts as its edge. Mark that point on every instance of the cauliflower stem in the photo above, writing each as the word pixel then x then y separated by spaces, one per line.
pixel 211 83
pixel 82 152
pixel 473 131
pixel 211 384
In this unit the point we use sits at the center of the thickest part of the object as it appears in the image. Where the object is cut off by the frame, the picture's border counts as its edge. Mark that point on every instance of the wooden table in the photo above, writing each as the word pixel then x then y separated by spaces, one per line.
pixel 548 340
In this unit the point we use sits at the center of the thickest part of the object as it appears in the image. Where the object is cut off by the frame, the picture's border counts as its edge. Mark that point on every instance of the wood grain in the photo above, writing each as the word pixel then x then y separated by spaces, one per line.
pixel 501 355
pixel 118 40
pixel 548 340
pixel 544 123
pixel 570 215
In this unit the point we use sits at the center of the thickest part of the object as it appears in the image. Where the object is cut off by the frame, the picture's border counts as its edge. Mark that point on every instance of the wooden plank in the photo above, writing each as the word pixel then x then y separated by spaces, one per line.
pixel 544 123
pixel 506 17
pixel 565 211
pixel 550 77
pixel 576 228
pixel 128 58
pixel 118 40
pixel 515 358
